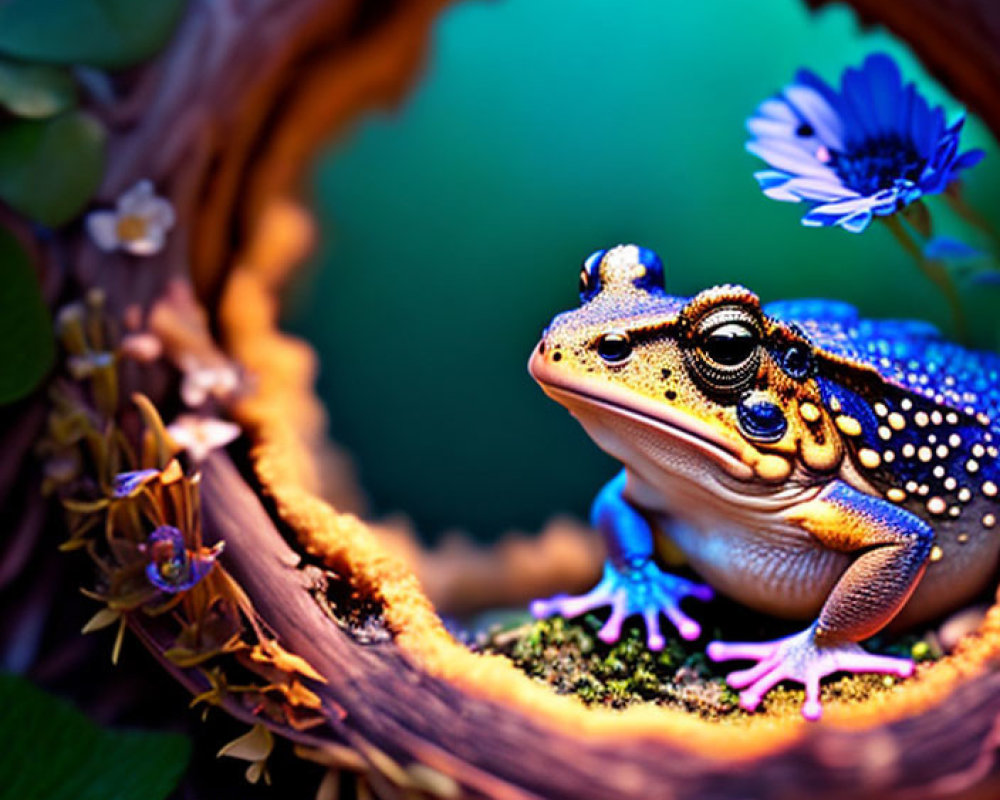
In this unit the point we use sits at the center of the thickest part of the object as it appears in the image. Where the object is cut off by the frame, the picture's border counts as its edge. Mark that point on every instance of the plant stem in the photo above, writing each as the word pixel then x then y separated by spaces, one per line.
pixel 935 272
pixel 954 198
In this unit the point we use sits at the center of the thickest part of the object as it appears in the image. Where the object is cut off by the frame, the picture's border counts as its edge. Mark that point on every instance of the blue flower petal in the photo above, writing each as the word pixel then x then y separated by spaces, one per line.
pixel 940 164
pixel 781 194
pixel 968 159
pixel 956 127
pixel 946 247
pixel 855 212
pixel 768 126
pixel 858 101
pixel 807 77
pixel 815 189
pixel 200 566
pixel 128 483
pixel 778 110
pixel 927 138
pixel 768 178
pixel 856 223
pixel 920 124
pixel 905 111
pixel 987 278
pixel 172 567
pixel 772 183
pixel 885 87
pixel 889 201
pixel 814 109
pixel 790 157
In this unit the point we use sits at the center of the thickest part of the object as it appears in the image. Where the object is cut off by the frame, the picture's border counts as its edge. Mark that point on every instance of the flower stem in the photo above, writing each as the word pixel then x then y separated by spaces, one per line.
pixel 935 271
pixel 961 207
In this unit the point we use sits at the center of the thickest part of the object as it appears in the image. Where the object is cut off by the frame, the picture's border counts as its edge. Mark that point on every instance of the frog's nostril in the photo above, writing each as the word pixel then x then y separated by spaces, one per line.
pixel 543 341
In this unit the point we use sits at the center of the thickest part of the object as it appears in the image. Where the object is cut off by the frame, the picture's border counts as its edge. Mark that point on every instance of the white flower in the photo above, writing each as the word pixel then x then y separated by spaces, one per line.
pixel 138 225
pixel 142 347
pixel 202 381
pixel 201 435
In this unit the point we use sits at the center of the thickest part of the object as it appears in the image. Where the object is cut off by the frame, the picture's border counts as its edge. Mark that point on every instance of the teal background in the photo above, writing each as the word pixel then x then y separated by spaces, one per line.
pixel 453 229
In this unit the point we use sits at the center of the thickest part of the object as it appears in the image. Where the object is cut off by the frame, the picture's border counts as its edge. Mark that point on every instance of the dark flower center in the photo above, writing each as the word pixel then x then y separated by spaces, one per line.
pixel 876 164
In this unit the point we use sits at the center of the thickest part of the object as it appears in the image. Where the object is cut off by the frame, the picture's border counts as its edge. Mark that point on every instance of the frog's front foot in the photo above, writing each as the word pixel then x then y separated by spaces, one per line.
pixel 799 658
pixel 642 588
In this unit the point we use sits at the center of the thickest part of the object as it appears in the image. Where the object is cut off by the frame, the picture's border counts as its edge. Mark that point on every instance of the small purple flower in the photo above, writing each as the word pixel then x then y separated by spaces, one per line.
pixel 172 567
pixel 868 150
pixel 128 483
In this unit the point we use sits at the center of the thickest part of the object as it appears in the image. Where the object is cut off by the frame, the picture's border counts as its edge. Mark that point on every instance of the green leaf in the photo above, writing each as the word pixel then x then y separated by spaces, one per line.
pixel 53 752
pixel 99 33
pixel 49 170
pixel 35 91
pixel 27 346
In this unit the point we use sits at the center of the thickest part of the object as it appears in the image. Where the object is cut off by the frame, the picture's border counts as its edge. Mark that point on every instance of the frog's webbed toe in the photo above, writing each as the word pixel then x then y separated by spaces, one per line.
pixel 801 659
pixel 640 589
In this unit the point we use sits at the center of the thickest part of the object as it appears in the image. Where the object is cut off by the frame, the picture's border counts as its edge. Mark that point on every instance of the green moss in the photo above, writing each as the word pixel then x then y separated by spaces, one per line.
pixel 570 658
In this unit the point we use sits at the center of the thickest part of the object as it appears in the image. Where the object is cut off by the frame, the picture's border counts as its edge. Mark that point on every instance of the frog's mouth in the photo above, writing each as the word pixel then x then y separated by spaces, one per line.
pixel 580 393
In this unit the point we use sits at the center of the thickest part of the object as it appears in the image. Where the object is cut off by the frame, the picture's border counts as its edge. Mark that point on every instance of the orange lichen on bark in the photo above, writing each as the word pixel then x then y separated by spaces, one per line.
pixel 462 577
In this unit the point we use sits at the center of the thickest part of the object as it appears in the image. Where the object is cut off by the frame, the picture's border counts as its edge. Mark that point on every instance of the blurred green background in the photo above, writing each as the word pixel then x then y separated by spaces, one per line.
pixel 453 229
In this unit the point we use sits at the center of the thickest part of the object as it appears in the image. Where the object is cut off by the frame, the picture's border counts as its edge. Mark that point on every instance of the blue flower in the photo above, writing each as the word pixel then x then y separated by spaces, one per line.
pixel 172 567
pixel 127 484
pixel 868 150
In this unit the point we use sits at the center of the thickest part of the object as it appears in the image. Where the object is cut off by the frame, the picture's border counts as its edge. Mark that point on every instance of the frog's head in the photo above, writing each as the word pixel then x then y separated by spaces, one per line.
pixel 675 383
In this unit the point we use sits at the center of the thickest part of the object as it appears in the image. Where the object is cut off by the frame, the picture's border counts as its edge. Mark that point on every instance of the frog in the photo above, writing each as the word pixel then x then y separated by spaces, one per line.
pixel 803 461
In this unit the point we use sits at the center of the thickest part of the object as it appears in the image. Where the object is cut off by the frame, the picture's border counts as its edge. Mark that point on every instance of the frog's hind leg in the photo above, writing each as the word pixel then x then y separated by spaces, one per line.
pixel 632 582
pixel 891 547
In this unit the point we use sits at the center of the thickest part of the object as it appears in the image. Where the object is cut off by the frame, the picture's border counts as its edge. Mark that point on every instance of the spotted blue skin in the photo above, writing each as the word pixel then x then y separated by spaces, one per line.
pixel 948 398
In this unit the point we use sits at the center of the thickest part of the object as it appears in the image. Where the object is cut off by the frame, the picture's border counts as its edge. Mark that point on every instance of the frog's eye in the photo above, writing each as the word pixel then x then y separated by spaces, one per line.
pixel 726 351
pixel 590 278
pixel 614 347
pixel 651 279
pixel 730 345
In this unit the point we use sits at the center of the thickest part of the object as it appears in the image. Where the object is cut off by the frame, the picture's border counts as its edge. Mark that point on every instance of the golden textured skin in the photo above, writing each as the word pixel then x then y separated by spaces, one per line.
pixel 657 377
